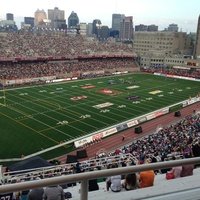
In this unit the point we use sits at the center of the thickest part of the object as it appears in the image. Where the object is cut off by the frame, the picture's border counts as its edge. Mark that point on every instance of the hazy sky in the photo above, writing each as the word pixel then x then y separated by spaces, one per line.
pixel 160 12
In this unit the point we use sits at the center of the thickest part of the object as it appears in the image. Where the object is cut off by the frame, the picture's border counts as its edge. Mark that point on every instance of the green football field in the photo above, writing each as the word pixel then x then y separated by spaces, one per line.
pixel 35 118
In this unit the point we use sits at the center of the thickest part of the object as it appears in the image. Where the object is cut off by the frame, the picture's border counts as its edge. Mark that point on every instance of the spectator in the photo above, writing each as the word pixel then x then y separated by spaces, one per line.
pixel 78 167
pixel 10 196
pixel 35 194
pixel 114 182
pixel 23 194
pixel 53 193
pixel 187 170
pixel 196 149
pixel 146 178
pixel 130 182
pixel 93 185
pixel 176 170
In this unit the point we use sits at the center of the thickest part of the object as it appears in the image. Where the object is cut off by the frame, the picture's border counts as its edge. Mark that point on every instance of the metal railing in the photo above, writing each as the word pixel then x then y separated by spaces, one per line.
pixel 65 169
pixel 84 177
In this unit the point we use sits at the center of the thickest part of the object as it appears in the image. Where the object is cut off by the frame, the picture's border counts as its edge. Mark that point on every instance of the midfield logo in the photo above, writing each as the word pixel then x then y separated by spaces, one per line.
pixel 109 92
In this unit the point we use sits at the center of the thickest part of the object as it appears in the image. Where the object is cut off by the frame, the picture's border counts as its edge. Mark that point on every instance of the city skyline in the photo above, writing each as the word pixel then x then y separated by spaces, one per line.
pixel 183 13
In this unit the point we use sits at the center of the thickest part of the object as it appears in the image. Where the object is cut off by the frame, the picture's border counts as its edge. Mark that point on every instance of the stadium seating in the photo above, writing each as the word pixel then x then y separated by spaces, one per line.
pixel 65 169
pixel 186 72
pixel 38 45
pixel 180 188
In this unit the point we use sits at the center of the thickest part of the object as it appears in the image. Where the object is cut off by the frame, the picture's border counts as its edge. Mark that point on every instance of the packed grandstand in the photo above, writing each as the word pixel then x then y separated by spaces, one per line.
pixel 28 58
pixel 32 57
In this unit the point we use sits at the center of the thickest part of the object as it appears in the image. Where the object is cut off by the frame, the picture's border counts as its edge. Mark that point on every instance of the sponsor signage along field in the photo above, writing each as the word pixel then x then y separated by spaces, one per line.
pixel 142 119
pixel 191 101
pixel 157 113
pixel 151 116
pixel 109 132
pixel 82 142
pixel 96 136
pixel 122 127
pixel 132 123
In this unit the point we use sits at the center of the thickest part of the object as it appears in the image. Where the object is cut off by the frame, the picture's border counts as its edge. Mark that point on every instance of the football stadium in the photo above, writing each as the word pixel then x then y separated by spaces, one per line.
pixel 47 115
pixel 86 116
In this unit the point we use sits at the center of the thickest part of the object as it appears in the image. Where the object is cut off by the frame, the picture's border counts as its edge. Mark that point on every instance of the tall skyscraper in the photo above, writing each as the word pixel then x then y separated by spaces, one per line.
pixel 116 20
pixel 57 18
pixel 104 33
pixel 126 29
pixel 40 16
pixel 73 20
pixel 29 20
pixel 96 25
pixel 197 44
pixel 89 29
pixel 9 16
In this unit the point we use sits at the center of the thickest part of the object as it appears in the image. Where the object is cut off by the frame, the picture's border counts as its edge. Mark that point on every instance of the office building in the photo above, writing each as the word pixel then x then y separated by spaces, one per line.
pixel 57 18
pixel 29 21
pixel 89 29
pixel 116 20
pixel 126 29
pixel 40 17
pixel 166 43
pixel 141 27
pixel 73 20
pixel 82 27
pixel 173 28
pixel 197 44
pixel 104 33
pixel 8 26
pixel 152 27
pixel 9 16
pixel 96 25
pixel 175 61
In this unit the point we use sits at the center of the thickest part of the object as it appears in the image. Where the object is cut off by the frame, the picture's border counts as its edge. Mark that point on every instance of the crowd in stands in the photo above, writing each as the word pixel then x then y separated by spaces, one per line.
pixel 10 177
pixel 26 55
pixel 10 71
pixel 41 45
pixel 190 72
pixel 178 141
